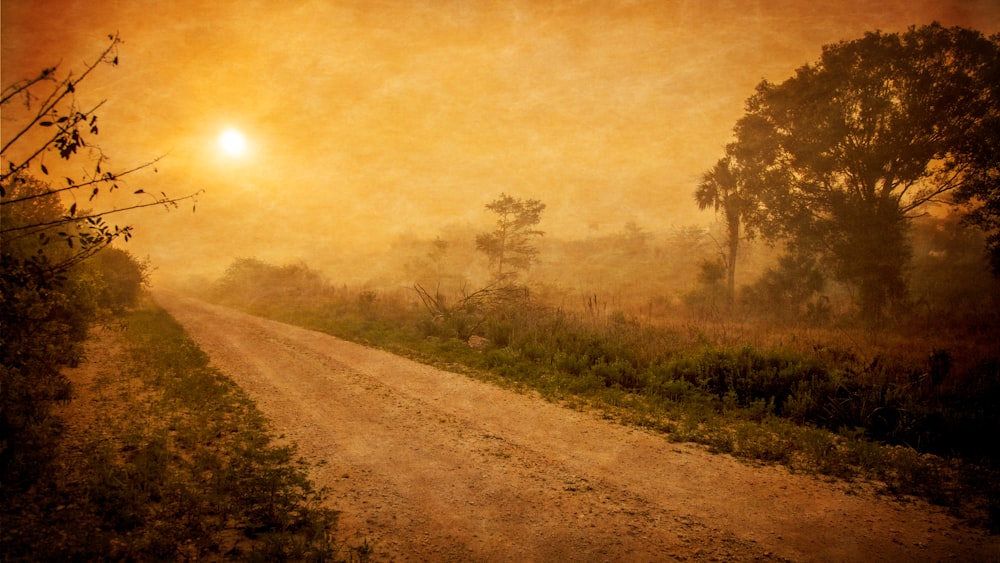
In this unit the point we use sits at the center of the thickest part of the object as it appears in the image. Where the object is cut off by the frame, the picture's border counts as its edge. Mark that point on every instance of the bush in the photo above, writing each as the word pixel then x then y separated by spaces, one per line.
pixel 121 278
pixel 45 313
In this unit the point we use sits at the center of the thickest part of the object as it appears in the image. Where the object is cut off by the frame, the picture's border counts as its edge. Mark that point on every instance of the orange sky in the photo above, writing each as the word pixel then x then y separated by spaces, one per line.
pixel 370 119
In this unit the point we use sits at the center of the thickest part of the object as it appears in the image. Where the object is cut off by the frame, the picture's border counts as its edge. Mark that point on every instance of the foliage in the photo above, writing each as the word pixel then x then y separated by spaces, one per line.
pixel 467 315
pixel 509 247
pixel 980 156
pixel 44 322
pixel 49 293
pixel 790 290
pixel 712 290
pixel 176 463
pixel 118 278
pixel 950 282
pixel 866 138
pixel 248 281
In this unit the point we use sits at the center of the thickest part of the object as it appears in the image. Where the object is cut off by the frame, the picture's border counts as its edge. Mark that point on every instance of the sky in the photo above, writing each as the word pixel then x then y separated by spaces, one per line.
pixel 370 120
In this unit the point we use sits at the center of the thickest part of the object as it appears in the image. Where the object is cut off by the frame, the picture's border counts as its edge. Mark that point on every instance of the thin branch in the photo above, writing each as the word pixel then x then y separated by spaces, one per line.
pixel 64 88
pixel 62 130
pixel 932 195
pixel 18 87
pixel 67 220
pixel 102 180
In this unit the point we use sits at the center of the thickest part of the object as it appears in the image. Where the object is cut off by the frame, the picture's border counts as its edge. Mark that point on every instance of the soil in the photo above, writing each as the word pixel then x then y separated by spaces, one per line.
pixel 428 465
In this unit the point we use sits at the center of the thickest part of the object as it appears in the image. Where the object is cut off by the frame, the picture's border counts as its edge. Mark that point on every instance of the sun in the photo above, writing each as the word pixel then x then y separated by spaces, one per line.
pixel 233 143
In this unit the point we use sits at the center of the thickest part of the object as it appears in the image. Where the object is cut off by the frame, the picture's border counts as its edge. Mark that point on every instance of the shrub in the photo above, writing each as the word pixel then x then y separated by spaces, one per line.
pixel 44 320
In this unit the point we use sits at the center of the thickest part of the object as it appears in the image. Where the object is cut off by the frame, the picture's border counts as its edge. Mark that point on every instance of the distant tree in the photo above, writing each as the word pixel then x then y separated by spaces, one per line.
pixel 122 278
pixel 510 247
pixel 790 290
pixel 862 141
pixel 249 282
pixel 726 189
pixel 949 273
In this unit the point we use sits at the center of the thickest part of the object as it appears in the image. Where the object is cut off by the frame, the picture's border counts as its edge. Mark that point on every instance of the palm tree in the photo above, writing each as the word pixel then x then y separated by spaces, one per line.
pixel 723 189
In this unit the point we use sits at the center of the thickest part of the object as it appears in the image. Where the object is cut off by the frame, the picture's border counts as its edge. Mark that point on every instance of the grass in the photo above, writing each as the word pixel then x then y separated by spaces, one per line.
pixel 912 424
pixel 170 460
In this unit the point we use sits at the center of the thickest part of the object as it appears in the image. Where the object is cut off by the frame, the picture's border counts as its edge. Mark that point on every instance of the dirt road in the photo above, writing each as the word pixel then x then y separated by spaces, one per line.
pixel 434 466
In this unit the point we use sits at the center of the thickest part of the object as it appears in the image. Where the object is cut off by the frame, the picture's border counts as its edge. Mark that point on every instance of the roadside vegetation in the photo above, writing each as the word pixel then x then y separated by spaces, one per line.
pixel 60 272
pixel 157 457
pixel 903 410
pixel 167 460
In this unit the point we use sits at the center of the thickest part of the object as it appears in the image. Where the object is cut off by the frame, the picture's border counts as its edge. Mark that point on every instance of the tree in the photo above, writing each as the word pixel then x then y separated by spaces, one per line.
pixel 724 189
pixel 864 140
pixel 121 278
pixel 510 246
pixel 789 290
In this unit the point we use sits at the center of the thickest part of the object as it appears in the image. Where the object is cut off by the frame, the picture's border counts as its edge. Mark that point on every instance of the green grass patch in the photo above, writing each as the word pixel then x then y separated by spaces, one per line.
pixel 170 460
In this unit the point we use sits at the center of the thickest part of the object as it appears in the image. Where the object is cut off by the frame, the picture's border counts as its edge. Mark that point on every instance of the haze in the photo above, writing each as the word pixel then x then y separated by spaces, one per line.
pixel 365 122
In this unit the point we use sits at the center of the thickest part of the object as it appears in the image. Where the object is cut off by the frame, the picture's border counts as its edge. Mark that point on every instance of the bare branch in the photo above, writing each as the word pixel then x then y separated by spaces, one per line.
pixel 17 88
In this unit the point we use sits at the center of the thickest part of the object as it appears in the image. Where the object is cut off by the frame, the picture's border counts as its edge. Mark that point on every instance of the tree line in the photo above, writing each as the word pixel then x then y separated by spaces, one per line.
pixel 833 166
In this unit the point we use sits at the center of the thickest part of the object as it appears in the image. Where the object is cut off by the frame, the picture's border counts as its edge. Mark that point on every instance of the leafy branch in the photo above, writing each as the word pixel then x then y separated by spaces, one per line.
pixel 55 123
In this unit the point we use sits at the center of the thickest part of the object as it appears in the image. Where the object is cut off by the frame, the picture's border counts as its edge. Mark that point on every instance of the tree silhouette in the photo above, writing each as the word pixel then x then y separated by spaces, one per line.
pixel 510 247
pixel 862 141
pixel 722 189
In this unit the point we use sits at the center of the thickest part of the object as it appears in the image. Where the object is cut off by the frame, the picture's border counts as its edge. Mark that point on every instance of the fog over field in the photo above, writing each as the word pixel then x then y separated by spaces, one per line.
pixel 371 125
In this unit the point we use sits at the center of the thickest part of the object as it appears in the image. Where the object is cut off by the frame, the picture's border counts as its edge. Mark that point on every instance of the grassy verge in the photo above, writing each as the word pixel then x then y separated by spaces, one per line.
pixel 166 459
pixel 909 427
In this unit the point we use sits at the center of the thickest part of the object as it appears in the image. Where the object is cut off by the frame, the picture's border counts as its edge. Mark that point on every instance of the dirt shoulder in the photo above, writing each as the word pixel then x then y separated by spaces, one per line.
pixel 431 465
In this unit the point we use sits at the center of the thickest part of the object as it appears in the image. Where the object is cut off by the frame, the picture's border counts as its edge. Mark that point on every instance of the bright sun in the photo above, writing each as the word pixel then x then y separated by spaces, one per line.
pixel 233 142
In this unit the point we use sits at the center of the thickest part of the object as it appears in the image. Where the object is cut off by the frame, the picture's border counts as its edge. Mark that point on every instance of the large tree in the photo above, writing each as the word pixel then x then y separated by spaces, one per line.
pixel 865 139
pixel 510 246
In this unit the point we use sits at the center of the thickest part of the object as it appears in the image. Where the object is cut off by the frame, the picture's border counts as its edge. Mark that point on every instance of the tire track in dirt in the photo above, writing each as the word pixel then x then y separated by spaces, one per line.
pixel 433 466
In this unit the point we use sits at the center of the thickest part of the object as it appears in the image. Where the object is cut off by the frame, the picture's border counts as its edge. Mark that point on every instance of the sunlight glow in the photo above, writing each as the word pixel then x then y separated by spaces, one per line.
pixel 233 143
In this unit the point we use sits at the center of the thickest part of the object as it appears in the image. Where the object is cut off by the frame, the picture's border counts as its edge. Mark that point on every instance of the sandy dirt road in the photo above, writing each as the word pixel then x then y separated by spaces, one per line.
pixel 433 466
